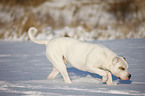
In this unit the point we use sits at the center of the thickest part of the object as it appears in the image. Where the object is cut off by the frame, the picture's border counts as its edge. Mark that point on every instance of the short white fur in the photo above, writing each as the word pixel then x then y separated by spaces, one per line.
pixel 94 58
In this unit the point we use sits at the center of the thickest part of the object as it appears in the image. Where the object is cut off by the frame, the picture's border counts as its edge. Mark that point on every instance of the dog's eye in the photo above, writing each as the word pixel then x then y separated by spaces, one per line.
pixel 121 68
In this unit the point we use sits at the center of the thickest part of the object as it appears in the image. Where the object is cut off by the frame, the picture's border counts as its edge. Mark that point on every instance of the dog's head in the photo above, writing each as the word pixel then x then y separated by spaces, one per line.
pixel 119 68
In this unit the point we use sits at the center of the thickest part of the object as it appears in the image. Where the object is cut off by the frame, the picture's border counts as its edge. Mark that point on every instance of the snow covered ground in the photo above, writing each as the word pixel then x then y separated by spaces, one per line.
pixel 24 69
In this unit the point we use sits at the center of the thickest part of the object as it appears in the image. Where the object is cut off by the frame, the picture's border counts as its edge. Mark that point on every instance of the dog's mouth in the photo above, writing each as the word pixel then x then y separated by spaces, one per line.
pixel 127 78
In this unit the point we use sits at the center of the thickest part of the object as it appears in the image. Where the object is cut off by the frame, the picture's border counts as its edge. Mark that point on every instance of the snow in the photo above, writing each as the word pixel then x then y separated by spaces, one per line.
pixel 24 69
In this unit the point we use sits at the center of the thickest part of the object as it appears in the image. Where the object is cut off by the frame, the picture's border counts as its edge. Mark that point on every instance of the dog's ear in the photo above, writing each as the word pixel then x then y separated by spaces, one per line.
pixel 124 60
pixel 123 57
pixel 115 60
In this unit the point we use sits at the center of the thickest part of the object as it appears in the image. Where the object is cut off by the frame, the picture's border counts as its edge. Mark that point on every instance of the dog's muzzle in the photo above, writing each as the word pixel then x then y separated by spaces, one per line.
pixel 129 76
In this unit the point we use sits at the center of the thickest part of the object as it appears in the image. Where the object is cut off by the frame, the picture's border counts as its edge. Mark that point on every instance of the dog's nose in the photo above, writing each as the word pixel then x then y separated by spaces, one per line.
pixel 129 76
pixel 119 77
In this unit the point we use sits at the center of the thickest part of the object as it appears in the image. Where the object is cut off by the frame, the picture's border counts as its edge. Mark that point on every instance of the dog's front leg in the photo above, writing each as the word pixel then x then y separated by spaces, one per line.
pixel 105 78
pixel 100 72
pixel 109 79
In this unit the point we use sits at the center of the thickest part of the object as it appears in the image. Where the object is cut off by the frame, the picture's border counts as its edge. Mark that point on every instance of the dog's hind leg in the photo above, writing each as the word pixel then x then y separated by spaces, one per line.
pixel 65 76
pixel 53 74
pixel 59 66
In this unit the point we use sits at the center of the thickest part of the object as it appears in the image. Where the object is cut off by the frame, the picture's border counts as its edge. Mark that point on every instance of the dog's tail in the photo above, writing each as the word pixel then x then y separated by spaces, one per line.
pixel 30 31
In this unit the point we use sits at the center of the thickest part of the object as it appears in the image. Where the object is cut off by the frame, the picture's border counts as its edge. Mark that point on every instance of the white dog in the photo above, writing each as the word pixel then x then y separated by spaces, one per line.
pixel 94 58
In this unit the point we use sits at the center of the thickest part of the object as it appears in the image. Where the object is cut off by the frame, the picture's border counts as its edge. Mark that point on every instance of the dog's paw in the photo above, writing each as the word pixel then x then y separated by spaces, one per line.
pixel 68 82
pixel 104 79
pixel 110 83
pixel 49 78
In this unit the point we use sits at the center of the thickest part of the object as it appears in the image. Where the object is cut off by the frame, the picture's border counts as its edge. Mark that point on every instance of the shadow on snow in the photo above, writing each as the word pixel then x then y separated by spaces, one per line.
pixel 85 73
